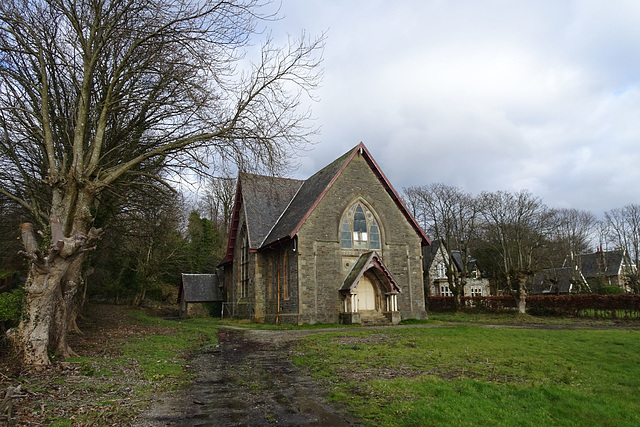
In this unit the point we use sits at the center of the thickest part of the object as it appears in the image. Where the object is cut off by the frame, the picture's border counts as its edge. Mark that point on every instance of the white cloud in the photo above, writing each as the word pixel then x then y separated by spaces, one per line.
pixel 483 95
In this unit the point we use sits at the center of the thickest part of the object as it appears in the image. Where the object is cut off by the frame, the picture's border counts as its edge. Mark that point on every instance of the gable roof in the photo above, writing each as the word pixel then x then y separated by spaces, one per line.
pixel 279 216
pixel 429 253
pixel 310 193
pixel 457 260
pixel 602 263
pixel 314 189
pixel 553 281
pixel 263 199
pixel 368 261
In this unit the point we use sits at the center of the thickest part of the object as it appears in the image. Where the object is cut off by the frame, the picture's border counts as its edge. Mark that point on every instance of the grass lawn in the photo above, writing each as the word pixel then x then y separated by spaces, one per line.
pixel 127 358
pixel 514 318
pixel 472 375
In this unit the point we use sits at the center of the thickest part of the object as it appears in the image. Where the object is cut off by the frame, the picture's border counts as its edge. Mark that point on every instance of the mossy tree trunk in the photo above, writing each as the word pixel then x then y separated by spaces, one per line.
pixel 50 292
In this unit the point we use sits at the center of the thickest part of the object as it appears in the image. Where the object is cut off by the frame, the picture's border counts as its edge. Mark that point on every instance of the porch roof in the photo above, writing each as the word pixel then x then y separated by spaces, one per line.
pixel 368 261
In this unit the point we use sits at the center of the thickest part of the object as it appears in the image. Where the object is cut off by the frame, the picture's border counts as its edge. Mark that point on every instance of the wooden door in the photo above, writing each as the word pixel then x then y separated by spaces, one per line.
pixel 366 294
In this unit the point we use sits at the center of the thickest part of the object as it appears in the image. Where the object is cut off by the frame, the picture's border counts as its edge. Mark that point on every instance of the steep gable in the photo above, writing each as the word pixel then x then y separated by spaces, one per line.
pixel 275 208
pixel 430 252
pixel 314 189
pixel 305 199
pixel 602 263
pixel 554 280
pixel 369 261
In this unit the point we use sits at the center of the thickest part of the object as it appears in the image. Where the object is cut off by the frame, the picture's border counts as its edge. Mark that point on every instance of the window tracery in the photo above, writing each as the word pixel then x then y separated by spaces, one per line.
pixel 359 229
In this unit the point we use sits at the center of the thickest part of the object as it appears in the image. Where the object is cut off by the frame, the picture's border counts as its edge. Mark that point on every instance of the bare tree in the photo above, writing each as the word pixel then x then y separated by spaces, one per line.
pixel 573 231
pixel 10 215
pixel 516 225
pixel 449 214
pixel 623 231
pixel 217 202
pixel 97 96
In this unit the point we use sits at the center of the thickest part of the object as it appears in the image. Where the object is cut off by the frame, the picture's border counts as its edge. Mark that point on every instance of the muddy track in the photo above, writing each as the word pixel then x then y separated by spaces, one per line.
pixel 247 379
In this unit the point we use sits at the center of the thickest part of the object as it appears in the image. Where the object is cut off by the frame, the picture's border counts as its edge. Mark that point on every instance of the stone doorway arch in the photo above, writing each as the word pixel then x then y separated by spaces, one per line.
pixel 369 291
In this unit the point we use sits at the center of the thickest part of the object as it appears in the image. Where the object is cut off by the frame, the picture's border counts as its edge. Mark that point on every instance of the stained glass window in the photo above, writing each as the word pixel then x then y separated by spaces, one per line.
pixel 359 229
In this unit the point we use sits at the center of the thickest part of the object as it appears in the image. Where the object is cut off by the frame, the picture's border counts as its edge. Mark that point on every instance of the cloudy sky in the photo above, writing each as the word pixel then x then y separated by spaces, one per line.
pixel 482 95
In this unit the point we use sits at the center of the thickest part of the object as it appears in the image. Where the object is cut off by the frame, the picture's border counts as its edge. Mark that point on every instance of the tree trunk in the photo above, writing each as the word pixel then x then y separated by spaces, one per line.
pixel 50 292
pixel 68 307
pixel 457 298
pixel 522 295
pixel 33 335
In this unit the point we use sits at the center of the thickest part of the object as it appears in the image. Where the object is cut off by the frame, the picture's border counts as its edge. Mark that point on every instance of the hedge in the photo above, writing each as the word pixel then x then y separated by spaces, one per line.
pixel 560 305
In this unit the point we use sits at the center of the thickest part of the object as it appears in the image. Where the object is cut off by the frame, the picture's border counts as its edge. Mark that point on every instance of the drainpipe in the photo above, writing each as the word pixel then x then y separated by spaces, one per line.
pixel 278 312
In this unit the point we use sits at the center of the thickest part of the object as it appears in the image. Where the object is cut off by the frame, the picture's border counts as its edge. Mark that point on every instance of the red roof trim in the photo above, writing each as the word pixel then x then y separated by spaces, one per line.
pixel 235 223
pixel 394 195
pixel 385 183
pixel 376 262
pixel 324 192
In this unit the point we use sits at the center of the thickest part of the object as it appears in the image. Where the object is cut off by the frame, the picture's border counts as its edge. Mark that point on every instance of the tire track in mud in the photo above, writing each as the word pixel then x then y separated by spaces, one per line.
pixel 247 379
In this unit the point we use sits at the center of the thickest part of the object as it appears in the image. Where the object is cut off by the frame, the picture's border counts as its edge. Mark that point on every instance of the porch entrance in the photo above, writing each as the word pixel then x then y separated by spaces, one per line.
pixel 366 294
pixel 369 293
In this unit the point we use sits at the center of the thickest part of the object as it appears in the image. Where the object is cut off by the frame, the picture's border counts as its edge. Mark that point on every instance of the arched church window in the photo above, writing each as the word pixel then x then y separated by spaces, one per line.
pixel 359 229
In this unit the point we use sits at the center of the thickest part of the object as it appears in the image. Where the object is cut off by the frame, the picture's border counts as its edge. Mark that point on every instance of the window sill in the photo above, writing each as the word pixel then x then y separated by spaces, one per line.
pixel 358 252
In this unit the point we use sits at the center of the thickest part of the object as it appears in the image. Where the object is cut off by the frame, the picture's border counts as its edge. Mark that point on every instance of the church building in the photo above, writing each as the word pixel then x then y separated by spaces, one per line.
pixel 340 246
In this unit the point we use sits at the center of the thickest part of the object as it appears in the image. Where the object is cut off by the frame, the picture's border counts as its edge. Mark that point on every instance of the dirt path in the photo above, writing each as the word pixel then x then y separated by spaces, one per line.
pixel 247 379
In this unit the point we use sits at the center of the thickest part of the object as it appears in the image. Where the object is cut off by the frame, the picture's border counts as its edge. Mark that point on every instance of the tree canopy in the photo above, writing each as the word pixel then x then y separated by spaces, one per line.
pixel 98 93
pixel 99 98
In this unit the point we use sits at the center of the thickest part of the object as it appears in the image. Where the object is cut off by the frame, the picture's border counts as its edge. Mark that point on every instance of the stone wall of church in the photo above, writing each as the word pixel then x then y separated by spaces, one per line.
pixel 272 289
pixel 279 286
pixel 238 305
pixel 323 262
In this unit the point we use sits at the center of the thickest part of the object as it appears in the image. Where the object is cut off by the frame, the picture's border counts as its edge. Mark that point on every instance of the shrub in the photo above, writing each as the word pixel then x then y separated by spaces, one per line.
pixel 610 290
pixel 613 306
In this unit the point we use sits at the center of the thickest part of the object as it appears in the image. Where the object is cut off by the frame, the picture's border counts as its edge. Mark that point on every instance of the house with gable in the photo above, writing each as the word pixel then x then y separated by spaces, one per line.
pixel 558 281
pixel 436 259
pixel 586 273
pixel 340 246
pixel 608 268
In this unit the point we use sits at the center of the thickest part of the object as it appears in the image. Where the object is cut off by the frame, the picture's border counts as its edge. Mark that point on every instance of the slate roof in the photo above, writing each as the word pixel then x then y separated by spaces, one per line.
pixel 199 288
pixel 288 202
pixel 308 195
pixel 553 281
pixel 457 260
pixel 429 253
pixel 265 198
pixel 602 263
